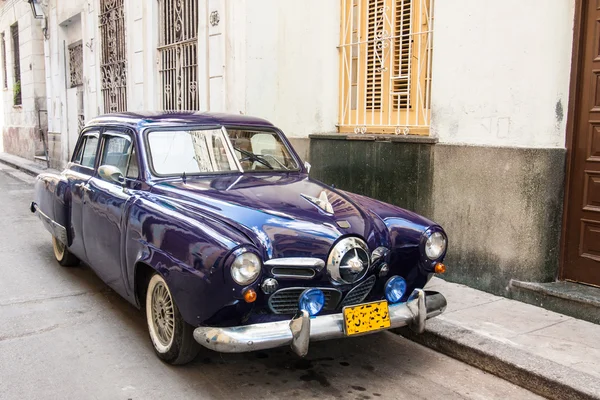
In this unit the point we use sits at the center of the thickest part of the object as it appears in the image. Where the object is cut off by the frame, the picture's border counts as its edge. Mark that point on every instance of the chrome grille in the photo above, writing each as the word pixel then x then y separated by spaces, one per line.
pixel 359 292
pixel 285 301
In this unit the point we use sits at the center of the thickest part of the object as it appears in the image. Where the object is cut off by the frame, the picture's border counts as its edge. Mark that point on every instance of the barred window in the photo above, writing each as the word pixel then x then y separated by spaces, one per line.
pixel 114 56
pixel 178 49
pixel 14 32
pixel 4 72
pixel 385 62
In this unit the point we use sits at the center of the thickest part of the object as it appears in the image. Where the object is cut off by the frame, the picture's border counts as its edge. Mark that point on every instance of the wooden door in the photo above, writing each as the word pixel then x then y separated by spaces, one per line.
pixel 581 261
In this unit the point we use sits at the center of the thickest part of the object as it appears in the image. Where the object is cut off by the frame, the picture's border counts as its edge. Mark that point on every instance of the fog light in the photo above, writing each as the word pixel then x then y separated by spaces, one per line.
pixel 395 289
pixel 250 296
pixel 312 300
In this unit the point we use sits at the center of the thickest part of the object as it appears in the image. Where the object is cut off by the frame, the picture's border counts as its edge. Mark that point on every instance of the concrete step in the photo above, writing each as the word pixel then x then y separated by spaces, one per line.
pixel 551 354
pixel 41 160
pixel 569 298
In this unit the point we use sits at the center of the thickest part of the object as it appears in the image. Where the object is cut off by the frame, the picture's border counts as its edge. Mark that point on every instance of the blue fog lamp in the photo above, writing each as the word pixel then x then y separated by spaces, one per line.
pixel 312 300
pixel 395 288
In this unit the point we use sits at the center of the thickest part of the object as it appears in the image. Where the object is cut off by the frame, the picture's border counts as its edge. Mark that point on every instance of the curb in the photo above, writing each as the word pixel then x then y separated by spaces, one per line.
pixel 539 375
pixel 30 170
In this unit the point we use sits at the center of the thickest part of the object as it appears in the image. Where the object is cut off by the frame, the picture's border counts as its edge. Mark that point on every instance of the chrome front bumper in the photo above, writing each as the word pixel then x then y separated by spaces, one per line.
pixel 301 329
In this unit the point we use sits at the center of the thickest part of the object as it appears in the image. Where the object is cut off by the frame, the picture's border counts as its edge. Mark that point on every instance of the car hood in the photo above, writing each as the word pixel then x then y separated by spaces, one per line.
pixel 280 213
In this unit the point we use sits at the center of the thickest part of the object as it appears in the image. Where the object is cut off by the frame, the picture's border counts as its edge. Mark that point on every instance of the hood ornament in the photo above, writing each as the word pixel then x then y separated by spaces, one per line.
pixel 322 201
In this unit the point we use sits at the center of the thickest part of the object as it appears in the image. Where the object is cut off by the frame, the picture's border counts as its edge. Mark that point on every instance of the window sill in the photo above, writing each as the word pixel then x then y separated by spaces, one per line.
pixel 376 138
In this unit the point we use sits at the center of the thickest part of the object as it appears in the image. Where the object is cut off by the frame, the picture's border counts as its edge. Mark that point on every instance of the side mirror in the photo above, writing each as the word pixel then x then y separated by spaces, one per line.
pixel 307 166
pixel 111 173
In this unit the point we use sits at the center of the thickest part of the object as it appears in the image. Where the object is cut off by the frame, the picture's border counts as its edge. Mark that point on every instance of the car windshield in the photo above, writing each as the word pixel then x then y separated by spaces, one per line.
pixel 200 151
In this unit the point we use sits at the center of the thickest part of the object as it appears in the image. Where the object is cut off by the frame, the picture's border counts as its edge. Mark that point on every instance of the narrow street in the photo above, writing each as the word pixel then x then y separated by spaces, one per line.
pixel 65 335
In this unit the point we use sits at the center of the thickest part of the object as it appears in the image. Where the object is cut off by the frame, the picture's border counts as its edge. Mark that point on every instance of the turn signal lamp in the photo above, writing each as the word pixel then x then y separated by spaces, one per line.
pixel 312 300
pixel 440 268
pixel 395 288
pixel 250 296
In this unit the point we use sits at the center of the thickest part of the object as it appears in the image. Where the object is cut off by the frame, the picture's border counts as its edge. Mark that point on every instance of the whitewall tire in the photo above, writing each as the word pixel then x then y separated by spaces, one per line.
pixel 62 254
pixel 170 335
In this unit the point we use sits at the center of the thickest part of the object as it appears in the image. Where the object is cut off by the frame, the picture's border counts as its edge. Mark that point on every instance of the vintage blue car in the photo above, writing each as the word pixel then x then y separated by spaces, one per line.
pixel 211 223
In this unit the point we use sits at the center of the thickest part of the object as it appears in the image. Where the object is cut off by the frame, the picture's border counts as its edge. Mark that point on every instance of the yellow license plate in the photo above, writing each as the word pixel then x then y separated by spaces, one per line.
pixel 365 318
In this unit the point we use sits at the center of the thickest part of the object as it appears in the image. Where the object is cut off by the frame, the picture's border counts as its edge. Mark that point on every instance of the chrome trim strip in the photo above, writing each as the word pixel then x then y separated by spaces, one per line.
pixel 238 339
pixel 292 276
pixel 308 262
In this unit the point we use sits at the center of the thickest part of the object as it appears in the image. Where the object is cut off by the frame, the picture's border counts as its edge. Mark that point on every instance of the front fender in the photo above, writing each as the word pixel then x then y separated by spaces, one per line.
pixel 188 252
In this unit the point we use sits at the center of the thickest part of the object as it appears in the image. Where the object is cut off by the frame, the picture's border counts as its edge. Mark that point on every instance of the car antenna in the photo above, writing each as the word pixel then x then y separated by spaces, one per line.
pixel 184 177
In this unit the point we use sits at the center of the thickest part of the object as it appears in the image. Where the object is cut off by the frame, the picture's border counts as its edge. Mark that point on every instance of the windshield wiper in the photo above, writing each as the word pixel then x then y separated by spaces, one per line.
pixel 254 157
pixel 277 161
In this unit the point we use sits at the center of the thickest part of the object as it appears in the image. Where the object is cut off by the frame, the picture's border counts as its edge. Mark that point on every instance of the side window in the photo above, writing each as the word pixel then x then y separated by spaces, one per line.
pixel 116 151
pixel 86 154
pixel 132 170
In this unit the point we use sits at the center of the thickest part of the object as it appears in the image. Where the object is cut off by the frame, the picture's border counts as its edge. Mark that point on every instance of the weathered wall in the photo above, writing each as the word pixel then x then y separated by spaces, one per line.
pixel 501 72
pixel 20 131
pixel 501 207
pixel 397 170
pixel 261 61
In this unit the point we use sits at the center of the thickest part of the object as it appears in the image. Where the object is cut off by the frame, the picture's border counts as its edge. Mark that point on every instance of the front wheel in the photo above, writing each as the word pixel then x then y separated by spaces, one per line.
pixel 63 255
pixel 171 336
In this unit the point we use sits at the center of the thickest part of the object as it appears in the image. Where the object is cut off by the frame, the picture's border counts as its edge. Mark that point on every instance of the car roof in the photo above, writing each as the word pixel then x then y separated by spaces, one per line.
pixel 141 120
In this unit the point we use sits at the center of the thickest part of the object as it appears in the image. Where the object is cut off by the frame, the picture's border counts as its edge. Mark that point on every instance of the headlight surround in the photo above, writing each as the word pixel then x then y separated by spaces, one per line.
pixel 246 268
pixel 435 245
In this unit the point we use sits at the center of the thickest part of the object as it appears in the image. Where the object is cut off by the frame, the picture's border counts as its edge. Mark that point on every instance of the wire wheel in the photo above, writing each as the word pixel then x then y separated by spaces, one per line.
pixel 163 316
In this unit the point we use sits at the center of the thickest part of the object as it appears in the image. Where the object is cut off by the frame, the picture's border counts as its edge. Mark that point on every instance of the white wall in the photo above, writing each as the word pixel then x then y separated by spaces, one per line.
pixel 290 70
pixel 501 71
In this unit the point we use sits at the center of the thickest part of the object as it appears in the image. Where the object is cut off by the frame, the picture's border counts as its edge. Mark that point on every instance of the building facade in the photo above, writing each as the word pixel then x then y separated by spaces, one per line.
pixel 461 110
pixel 23 98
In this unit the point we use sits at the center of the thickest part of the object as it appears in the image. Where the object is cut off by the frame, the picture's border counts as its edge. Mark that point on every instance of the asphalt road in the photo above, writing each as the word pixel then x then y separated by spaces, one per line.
pixel 66 335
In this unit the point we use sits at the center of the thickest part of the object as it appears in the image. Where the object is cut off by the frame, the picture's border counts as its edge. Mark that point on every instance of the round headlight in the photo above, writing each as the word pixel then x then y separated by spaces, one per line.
pixel 245 268
pixel 435 246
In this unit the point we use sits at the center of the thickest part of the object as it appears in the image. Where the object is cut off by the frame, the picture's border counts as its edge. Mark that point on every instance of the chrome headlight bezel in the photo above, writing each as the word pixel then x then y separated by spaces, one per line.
pixel 246 268
pixel 434 244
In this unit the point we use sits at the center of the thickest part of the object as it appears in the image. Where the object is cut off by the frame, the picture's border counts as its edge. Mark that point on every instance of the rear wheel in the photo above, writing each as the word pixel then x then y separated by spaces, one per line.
pixel 171 336
pixel 63 255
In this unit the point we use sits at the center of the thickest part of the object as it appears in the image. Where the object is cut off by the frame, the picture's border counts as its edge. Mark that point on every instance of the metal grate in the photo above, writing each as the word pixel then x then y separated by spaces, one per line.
pixel 285 301
pixel 76 64
pixel 178 54
pixel 360 292
pixel 114 56
pixel 385 61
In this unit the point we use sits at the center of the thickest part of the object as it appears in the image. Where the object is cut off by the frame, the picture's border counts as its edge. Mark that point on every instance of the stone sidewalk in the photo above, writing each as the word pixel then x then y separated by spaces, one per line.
pixel 28 166
pixel 548 353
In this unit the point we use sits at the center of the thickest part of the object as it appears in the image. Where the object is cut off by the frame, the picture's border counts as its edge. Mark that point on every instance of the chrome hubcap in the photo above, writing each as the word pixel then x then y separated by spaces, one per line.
pixel 163 317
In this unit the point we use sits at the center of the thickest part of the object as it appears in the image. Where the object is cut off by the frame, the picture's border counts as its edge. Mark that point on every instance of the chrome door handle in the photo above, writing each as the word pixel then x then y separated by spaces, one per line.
pixel 83 186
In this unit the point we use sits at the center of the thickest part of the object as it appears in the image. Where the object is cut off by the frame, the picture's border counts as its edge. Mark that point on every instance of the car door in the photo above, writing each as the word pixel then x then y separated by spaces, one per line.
pixel 106 201
pixel 78 173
